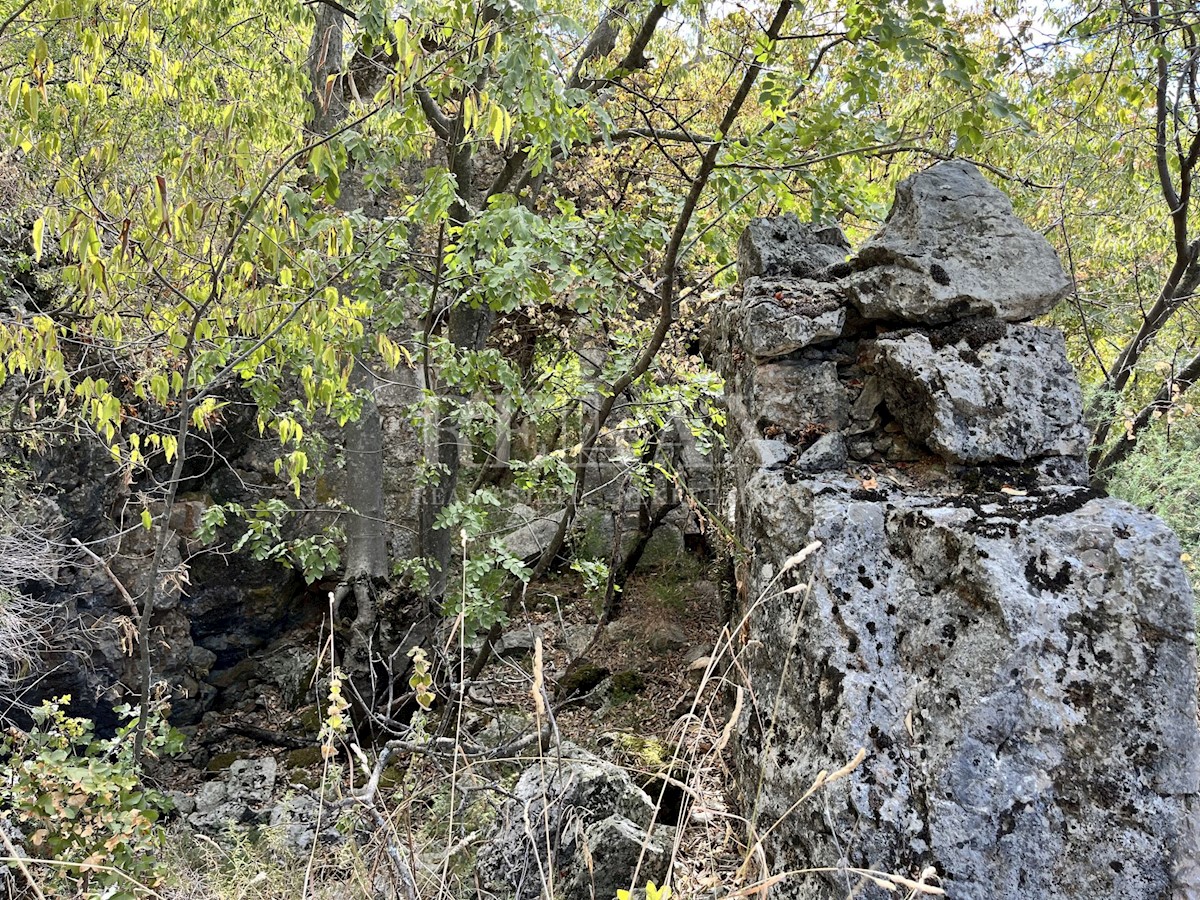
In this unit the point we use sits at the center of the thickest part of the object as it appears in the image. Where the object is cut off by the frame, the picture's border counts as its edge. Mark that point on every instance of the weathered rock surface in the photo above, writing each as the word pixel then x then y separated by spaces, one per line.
pixel 782 315
pixel 786 246
pixel 591 819
pixel 1005 395
pixel 796 397
pixel 241 796
pixel 952 248
pixel 1014 653
pixel 1020 671
pixel 532 534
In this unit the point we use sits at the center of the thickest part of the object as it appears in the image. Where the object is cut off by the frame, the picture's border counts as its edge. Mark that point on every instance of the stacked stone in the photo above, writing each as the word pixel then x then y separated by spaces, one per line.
pixel 1014 651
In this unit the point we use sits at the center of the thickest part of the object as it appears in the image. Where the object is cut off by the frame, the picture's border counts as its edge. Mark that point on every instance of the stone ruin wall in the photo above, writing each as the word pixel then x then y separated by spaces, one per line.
pixel 1013 651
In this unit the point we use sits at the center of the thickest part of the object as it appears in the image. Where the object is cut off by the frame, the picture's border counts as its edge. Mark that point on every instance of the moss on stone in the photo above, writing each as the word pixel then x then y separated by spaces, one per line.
pixel 304 757
pixel 580 678
pixel 223 761
pixel 628 683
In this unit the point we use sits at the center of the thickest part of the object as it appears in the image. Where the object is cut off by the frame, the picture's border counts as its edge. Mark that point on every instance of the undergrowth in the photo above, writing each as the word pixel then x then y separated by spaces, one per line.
pixel 410 814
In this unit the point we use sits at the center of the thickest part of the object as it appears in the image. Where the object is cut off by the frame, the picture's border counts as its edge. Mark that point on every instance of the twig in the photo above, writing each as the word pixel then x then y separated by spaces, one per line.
pixel 137 615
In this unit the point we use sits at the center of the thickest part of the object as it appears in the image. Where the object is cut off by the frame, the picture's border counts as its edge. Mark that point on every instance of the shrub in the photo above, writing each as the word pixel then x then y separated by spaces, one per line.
pixel 81 803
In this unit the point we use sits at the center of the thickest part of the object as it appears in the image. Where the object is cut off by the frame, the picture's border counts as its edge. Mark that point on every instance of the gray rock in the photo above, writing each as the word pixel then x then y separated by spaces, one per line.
pixel 585 810
pixel 699 651
pixel 533 536
pixel 242 796
pixel 952 248
pixel 253 780
pixel 183 804
pixel 785 246
pixel 615 847
pixel 666 637
pixel 798 396
pixel 1019 665
pixel 517 642
pixel 1011 399
pixel 766 454
pixel 1021 672
pixel 664 547
pixel 826 453
pixel 578 638
pixel 210 796
pixel 295 818
pixel 778 316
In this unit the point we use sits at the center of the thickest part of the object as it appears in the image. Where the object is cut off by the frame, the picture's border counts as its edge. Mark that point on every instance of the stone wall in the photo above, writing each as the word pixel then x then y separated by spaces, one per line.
pixel 1013 651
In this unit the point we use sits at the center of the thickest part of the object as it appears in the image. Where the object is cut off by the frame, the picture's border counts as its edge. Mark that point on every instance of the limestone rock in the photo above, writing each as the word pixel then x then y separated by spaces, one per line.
pixel 786 246
pixel 826 453
pixel 242 796
pixel 1010 398
pixel 767 454
pixel 296 818
pixel 1020 670
pixel 798 398
pixel 778 316
pixel 1014 654
pixel 533 533
pixel 615 846
pixel 517 642
pixel 589 813
pixel 951 248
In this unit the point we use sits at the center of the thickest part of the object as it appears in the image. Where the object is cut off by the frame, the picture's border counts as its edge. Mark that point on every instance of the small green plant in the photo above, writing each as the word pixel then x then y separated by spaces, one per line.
pixel 421 679
pixel 487 565
pixel 336 724
pixel 81 801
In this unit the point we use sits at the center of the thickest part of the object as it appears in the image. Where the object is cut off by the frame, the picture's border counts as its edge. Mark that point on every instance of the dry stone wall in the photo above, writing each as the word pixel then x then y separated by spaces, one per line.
pixel 1013 651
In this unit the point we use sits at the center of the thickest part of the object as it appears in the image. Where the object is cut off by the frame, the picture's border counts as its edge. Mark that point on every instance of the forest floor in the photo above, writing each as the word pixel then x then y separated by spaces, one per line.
pixel 638 693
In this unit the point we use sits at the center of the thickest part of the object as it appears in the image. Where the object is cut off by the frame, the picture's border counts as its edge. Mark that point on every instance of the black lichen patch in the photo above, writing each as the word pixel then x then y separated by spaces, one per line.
pixel 868 494
pixel 1004 512
pixel 976 332
pixel 1038 575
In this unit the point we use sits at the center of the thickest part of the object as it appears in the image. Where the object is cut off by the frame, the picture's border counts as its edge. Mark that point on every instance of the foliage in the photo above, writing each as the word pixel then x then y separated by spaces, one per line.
pixel 421 679
pixel 82 800
pixel 1164 477
pixel 336 724
pixel 313 555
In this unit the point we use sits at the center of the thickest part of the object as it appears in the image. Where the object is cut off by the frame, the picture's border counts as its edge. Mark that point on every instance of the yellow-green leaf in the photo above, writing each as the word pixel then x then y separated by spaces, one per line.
pixel 39 230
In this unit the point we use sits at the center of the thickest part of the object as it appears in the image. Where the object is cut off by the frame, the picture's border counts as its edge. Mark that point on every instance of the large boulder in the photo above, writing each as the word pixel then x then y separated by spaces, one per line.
pixel 1013 654
pixel 951 248
pixel 1020 671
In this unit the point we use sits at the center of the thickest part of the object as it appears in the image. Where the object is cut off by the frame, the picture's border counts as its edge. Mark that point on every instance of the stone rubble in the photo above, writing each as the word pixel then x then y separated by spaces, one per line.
pixel 578 823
